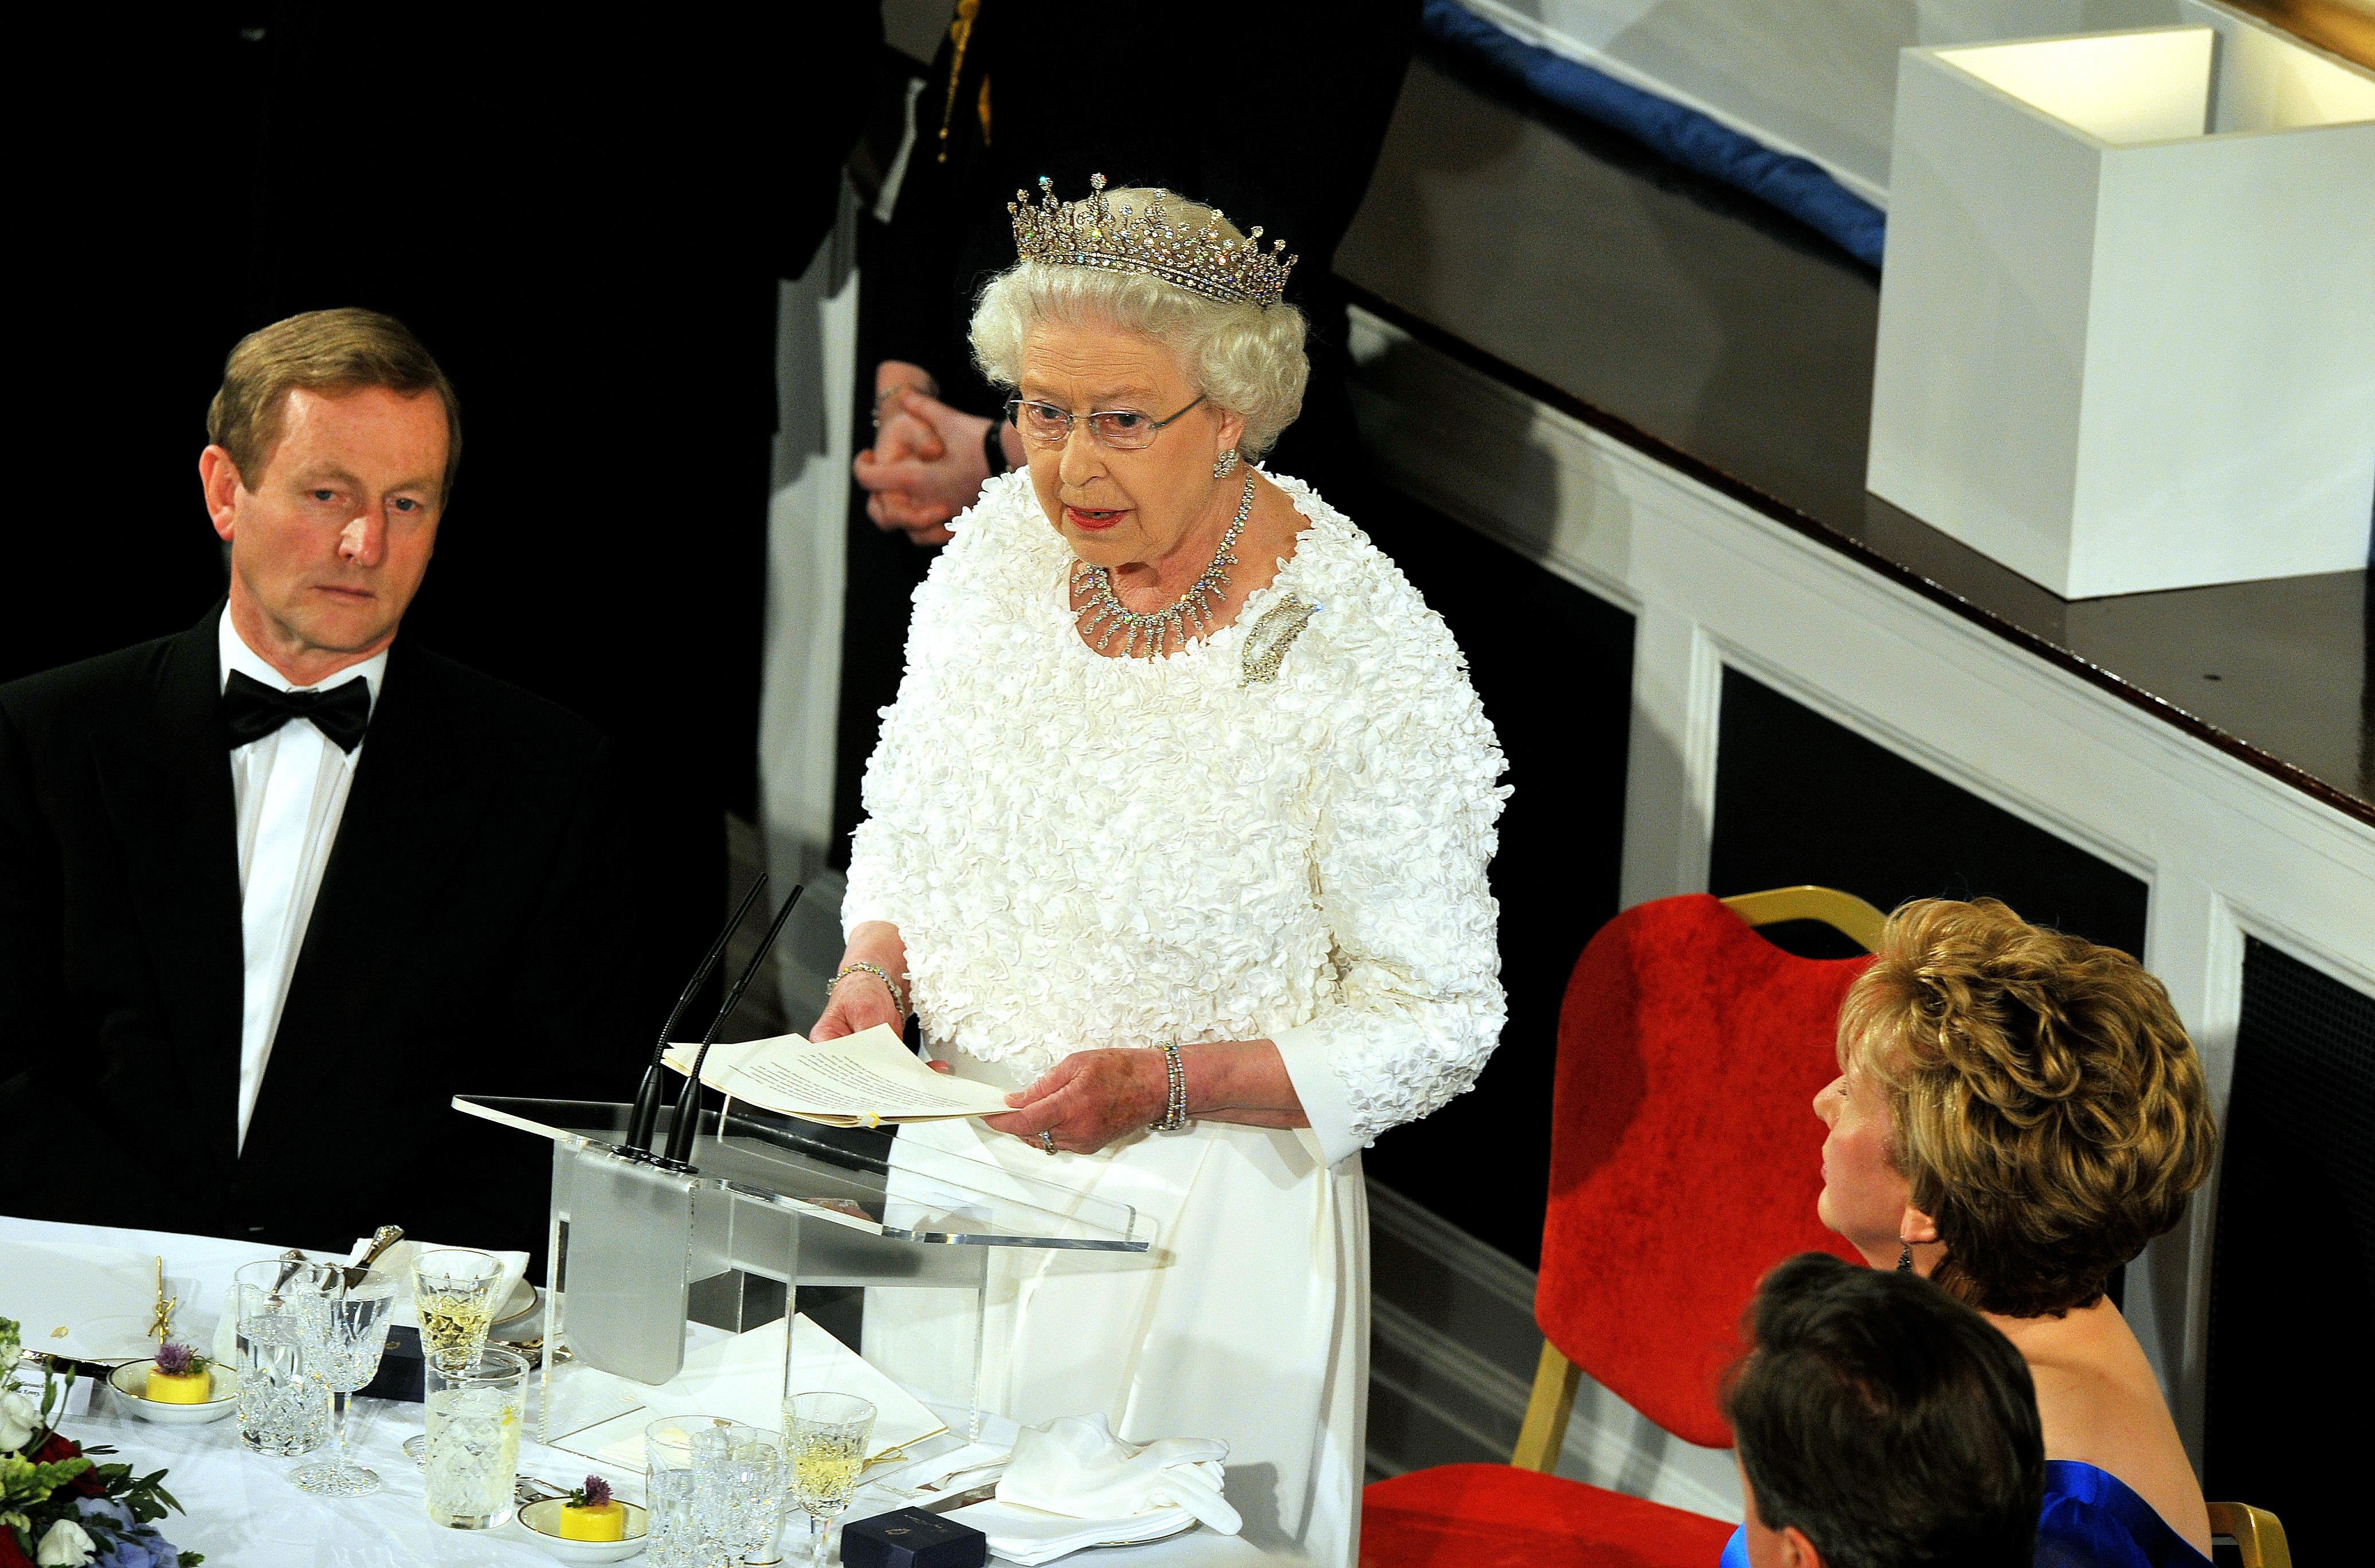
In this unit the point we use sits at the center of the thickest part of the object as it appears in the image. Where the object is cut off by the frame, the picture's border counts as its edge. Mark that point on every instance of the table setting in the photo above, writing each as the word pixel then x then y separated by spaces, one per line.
pixel 228 1397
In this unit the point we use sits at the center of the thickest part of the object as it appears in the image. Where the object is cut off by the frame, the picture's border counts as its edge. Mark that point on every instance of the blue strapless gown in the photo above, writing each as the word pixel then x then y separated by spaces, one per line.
pixel 2090 1519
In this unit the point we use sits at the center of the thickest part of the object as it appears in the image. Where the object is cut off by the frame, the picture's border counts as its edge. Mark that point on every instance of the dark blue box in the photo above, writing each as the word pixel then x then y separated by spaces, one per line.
pixel 399 1368
pixel 909 1538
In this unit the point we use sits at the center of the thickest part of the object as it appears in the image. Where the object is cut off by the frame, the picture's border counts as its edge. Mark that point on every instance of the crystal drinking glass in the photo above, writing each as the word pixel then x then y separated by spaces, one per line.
pixel 343 1328
pixel 670 1540
pixel 473 1406
pixel 738 1491
pixel 824 1440
pixel 677 1537
pixel 284 1410
pixel 454 1299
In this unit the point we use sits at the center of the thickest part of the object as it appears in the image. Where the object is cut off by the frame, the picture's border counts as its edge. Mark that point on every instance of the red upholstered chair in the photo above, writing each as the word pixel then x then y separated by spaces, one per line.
pixel 1685 1160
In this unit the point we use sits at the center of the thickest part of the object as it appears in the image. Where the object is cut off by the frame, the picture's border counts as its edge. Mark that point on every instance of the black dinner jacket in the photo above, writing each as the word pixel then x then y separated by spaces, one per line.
pixel 467 938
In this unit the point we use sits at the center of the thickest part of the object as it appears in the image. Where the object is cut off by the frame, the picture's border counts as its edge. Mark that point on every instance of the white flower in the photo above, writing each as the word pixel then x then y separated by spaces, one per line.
pixel 19 1418
pixel 66 1546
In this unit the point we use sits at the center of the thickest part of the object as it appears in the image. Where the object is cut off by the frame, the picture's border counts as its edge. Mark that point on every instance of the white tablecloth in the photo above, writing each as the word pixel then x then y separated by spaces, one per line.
pixel 244 1514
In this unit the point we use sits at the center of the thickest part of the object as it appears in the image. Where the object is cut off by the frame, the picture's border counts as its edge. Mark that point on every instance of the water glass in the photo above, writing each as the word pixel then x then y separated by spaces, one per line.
pixel 738 1478
pixel 473 1405
pixel 671 1540
pixel 284 1409
pixel 454 1301
pixel 343 1328
pixel 824 1439
pixel 676 1538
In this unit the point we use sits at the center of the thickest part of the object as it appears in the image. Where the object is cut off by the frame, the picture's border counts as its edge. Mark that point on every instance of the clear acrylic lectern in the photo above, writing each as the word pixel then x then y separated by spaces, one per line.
pixel 766 1197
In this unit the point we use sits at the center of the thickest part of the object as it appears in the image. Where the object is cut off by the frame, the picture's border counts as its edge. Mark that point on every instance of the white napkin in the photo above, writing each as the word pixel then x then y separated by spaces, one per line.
pixel 743 1379
pixel 91 1304
pixel 1071 1484
pixel 944 1475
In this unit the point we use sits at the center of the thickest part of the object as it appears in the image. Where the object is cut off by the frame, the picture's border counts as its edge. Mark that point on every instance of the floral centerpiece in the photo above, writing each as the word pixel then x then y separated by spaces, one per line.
pixel 60 1507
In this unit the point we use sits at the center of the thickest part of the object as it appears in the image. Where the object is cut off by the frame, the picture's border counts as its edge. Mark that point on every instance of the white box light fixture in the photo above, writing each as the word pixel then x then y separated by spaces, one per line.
pixel 2127 323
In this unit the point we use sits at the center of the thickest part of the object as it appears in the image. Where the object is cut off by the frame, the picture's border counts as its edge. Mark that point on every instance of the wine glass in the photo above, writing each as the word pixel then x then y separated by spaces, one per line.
pixel 824 1438
pixel 453 1298
pixel 343 1328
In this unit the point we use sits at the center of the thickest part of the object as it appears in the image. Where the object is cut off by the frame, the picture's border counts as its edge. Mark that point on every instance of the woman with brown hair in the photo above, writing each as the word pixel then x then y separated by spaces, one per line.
pixel 2017 1113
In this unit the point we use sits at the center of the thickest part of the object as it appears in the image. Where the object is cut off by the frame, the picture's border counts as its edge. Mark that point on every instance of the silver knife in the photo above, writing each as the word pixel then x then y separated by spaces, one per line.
pixel 965 1499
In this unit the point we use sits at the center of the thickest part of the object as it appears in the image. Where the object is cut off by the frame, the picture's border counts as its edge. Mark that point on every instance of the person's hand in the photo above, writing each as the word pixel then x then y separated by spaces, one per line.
pixel 1089 1099
pixel 925 465
pixel 900 436
pixel 859 1002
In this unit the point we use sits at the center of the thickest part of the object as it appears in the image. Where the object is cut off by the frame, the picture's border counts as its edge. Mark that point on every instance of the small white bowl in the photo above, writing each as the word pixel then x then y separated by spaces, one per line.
pixel 542 1523
pixel 130 1384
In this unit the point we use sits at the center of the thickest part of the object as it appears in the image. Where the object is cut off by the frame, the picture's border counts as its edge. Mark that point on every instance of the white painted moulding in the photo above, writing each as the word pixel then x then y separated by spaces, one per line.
pixel 2127 323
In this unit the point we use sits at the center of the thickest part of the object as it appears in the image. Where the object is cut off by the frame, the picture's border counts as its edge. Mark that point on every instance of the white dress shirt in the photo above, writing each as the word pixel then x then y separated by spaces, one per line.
pixel 290 790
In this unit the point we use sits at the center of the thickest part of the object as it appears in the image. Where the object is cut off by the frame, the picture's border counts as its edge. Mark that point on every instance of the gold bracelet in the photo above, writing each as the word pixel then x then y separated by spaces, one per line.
pixel 1175 1100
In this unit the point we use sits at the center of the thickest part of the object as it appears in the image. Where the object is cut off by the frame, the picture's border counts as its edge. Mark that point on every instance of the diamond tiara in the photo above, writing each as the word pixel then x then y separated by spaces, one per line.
pixel 1095 233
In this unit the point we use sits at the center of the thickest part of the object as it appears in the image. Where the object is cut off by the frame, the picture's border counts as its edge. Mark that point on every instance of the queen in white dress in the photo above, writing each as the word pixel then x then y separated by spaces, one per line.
pixel 1180 821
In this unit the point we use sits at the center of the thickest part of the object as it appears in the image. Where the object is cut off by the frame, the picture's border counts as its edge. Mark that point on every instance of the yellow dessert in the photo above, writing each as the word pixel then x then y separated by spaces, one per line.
pixel 194 1387
pixel 593 1521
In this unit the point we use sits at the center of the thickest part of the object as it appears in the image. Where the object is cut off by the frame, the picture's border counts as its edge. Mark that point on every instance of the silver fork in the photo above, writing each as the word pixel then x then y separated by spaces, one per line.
pixel 527 1489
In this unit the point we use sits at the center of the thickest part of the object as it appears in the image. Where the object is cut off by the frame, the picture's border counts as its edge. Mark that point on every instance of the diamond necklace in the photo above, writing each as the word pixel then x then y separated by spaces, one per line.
pixel 1166 629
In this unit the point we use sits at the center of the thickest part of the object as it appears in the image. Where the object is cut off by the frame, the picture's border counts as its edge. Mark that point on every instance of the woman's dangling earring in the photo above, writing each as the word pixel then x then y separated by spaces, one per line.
pixel 1905 1258
pixel 1226 465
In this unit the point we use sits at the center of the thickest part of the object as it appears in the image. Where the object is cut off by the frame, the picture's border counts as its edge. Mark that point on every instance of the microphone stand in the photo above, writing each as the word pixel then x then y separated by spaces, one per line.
pixel 647 1111
pixel 687 1120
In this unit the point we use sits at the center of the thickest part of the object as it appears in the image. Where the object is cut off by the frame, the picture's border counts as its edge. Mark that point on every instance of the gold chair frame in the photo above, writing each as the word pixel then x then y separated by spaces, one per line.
pixel 1557 1378
pixel 2258 1534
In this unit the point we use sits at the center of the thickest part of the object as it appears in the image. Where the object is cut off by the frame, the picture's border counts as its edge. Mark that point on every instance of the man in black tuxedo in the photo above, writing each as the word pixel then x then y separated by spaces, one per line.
pixel 273 890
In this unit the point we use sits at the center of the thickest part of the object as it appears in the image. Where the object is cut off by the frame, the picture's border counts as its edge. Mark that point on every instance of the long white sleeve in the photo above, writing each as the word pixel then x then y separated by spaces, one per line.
pixel 1405 833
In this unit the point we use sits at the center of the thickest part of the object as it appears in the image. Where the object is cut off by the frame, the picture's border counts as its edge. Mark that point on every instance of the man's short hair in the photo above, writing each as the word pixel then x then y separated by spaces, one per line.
pixel 329 351
pixel 1887 1421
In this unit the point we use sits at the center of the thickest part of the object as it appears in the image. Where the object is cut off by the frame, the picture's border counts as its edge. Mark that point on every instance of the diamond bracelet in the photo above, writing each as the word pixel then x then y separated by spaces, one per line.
pixel 898 998
pixel 1175 1102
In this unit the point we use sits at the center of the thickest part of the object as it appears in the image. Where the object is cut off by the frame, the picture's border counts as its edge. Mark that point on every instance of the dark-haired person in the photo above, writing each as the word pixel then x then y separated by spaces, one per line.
pixel 1878 1421
pixel 274 889
pixel 2017 1113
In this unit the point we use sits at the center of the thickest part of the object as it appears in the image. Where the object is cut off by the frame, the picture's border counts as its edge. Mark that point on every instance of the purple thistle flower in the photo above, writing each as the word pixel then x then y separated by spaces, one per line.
pixel 595 1493
pixel 178 1361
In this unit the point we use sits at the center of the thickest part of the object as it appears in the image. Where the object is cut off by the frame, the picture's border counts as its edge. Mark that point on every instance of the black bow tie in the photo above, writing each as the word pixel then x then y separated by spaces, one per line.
pixel 253 710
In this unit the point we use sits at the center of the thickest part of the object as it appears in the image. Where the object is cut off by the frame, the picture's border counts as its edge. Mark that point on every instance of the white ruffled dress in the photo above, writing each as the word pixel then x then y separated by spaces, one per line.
pixel 1083 852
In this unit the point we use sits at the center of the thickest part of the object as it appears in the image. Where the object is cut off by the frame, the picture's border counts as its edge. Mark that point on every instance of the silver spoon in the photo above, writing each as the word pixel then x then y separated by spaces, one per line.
pixel 382 1239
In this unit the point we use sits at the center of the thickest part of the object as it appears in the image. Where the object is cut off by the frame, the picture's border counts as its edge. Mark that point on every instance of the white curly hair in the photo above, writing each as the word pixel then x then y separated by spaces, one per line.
pixel 1246 359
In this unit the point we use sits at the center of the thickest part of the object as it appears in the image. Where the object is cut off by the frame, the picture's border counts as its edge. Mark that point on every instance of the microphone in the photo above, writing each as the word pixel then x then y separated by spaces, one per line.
pixel 687 1101
pixel 647 1111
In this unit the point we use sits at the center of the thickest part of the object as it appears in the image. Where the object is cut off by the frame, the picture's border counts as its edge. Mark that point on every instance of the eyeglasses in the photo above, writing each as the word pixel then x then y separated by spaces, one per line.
pixel 1117 429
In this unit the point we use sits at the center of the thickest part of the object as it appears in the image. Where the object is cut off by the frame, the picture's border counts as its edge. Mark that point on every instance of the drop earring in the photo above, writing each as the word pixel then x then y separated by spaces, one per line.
pixel 1905 1258
pixel 1226 465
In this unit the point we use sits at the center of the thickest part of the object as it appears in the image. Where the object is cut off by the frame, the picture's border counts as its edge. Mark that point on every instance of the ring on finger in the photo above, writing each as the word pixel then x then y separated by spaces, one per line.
pixel 1047 1142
